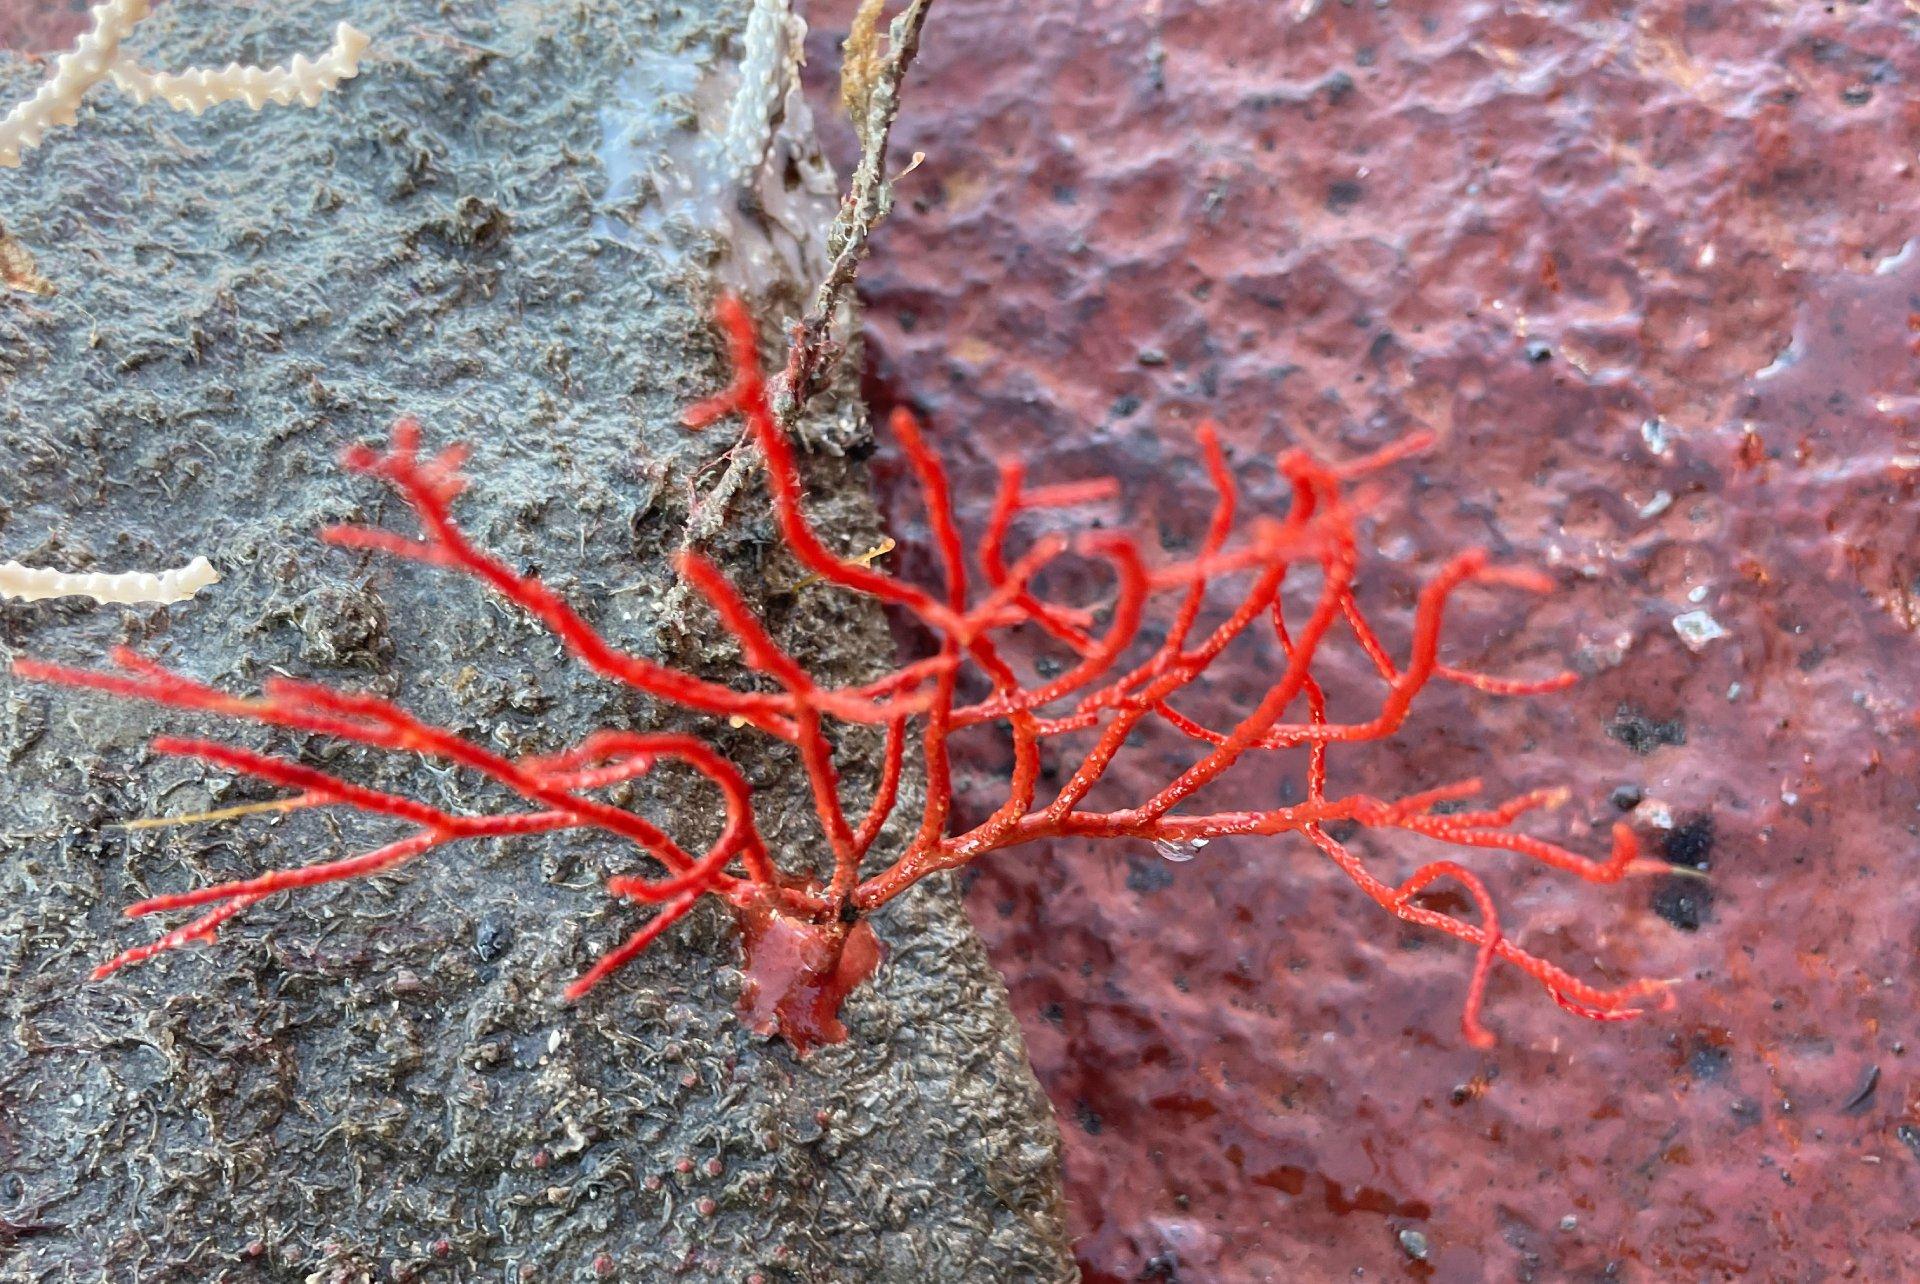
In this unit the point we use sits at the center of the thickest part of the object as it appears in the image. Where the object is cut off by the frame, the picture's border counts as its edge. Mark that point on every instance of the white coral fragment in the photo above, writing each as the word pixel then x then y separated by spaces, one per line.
pixel 770 61
pixel 32 583
pixel 57 101
pixel 198 89
pixel 97 56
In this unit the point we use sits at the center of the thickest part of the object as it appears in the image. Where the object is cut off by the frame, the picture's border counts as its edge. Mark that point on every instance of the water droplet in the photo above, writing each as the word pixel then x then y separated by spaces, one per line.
pixel 1177 850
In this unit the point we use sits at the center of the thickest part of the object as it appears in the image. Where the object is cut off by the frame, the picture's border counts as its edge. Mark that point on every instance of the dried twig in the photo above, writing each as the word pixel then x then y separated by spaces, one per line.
pixel 860 60
pixel 812 348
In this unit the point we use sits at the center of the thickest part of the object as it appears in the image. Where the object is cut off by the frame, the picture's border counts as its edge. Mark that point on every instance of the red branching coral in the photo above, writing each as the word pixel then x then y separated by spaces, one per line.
pixel 805 934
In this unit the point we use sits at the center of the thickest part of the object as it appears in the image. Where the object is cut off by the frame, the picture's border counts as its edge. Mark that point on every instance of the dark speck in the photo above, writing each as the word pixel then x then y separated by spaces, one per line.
pixel 1708 1062
pixel 1344 195
pixel 1088 1119
pixel 1626 797
pixel 1146 876
pixel 1856 96
pixel 1862 1097
pixel 1538 352
pixel 1642 734
pixel 1684 902
pixel 1164 1267
pixel 1124 406
pixel 1909 1137
pixel 492 938
pixel 1690 843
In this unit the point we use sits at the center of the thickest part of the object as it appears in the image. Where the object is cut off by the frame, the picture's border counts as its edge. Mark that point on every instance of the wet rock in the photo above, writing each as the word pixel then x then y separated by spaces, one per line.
pixel 347 1085
pixel 1721 203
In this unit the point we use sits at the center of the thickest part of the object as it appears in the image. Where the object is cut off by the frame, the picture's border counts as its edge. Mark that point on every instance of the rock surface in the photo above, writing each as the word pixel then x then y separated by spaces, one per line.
pixel 1651 271
pixel 380 1082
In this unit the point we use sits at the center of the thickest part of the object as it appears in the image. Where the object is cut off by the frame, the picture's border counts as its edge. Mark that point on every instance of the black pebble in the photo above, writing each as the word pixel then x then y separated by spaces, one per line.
pixel 491 938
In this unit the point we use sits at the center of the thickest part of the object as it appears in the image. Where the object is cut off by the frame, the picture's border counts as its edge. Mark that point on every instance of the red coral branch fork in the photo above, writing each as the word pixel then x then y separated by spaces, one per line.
pixel 806 938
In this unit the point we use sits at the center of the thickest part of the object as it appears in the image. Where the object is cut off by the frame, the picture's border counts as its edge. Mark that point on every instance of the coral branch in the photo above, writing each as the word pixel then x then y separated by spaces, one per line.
pixel 365 865
pixel 304 80
pixel 97 55
pixel 631 948
pixel 57 101
pixel 805 939
pixel 33 583
pixel 200 930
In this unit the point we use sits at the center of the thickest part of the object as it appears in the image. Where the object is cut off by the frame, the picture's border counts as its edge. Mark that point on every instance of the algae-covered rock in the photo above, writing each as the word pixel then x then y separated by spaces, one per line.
pixel 380 1081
